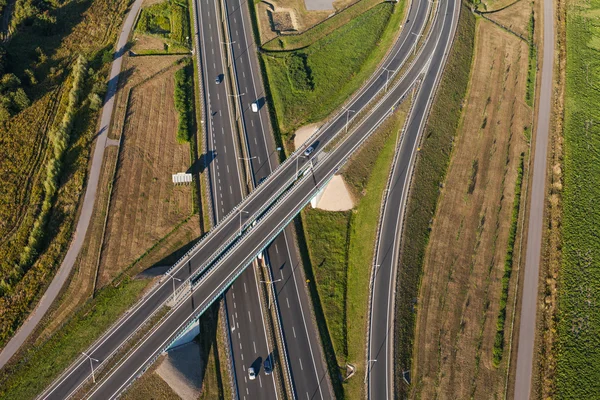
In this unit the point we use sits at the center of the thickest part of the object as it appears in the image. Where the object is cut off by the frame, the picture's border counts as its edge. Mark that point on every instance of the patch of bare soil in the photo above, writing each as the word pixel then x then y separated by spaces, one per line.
pixel 282 21
pixel 299 17
pixel 182 370
pixel 146 42
pixel 304 133
pixel 461 287
pixel 336 196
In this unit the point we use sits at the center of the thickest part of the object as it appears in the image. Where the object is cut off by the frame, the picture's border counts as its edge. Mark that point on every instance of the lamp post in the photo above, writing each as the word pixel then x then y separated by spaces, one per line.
pixel 418 35
pixel 91 365
pixel 270 293
pixel 388 76
pixel 348 111
pixel 237 99
pixel 369 369
pixel 173 279
pixel 242 211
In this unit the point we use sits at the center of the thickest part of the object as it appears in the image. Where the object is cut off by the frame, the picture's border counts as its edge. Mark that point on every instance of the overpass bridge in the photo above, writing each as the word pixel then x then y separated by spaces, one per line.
pixel 221 256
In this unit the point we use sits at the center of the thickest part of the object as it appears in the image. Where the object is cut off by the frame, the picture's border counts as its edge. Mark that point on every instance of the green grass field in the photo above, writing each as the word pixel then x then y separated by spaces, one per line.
pixel 430 170
pixel 40 365
pixel 308 37
pixel 168 19
pixel 327 240
pixel 341 247
pixel 309 84
pixel 578 348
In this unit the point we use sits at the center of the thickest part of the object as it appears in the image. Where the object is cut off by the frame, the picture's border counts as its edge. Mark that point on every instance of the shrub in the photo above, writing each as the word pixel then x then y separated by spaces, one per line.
pixel 183 102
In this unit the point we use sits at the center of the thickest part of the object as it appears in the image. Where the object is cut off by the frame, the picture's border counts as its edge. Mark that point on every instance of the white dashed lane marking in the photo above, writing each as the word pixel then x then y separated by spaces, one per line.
pixel 293 330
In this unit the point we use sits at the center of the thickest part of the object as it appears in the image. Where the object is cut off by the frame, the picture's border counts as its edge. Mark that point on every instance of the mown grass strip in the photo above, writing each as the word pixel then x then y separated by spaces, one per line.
pixel 363 233
pixel 508 266
pixel 430 170
pixel 40 365
pixel 319 31
pixel 327 238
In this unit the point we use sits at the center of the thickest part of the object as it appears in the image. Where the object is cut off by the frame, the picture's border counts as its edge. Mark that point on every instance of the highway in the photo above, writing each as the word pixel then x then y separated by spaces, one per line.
pixel 248 334
pixel 380 346
pixel 238 234
pixel 307 369
pixel 535 230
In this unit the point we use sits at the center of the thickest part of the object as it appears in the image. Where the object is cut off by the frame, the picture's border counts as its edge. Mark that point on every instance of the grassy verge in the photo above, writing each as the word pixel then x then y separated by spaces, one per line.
pixel 430 170
pixel 309 84
pixel 40 365
pixel 363 232
pixel 327 239
pixel 508 265
pixel 578 347
pixel 340 251
pixel 168 19
pixel 530 93
pixel 319 31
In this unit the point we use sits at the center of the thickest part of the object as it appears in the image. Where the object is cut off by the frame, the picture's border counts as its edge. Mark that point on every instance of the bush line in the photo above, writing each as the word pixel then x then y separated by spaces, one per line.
pixel 183 102
pixel 429 171
pixel 530 92
pixel 60 141
pixel 508 264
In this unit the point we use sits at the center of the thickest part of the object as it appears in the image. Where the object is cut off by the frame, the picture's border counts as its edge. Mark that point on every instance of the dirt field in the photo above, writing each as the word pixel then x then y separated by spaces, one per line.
pixel 515 17
pixel 80 288
pixel 145 205
pixel 461 287
pixel 293 12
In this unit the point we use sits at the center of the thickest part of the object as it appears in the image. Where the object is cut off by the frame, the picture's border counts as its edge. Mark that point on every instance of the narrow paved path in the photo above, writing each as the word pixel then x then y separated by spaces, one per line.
pixel 527 327
pixel 88 201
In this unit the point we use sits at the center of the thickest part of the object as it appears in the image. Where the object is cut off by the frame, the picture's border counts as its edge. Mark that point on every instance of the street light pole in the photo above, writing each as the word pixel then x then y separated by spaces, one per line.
pixel 174 279
pixel 369 369
pixel 348 111
pixel 242 211
pixel 418 35
pixel 91 365
pixel 270 292
pixel 388 76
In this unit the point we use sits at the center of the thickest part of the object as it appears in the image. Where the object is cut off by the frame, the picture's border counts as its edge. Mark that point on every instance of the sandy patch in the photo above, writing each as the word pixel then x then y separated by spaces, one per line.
pixel 182 370
pixel 304 133
pixel 336 196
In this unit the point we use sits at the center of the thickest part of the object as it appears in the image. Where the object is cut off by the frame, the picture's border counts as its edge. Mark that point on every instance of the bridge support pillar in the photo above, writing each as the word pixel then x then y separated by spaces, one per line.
pixel 187 336
pixel 315 200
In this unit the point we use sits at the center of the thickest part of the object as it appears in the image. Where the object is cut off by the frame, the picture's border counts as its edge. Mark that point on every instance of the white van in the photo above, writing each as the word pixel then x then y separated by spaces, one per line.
pixel 255 107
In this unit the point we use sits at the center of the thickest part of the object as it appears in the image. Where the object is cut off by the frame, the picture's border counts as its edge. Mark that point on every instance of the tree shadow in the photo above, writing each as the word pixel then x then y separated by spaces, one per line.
pixel 115 83
pixel 22 53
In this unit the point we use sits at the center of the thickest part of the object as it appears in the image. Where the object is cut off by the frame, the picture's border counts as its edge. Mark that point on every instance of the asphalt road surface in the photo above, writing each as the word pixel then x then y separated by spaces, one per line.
pixel 88 200
pixel 215 277
pixel 380 361
pixel 536 215
pixel 248 335
pixel 308 372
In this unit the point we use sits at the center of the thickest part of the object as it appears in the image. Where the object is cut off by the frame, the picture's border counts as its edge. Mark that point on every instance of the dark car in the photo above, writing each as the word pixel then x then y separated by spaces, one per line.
pixel 219 79
pixel 268 366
